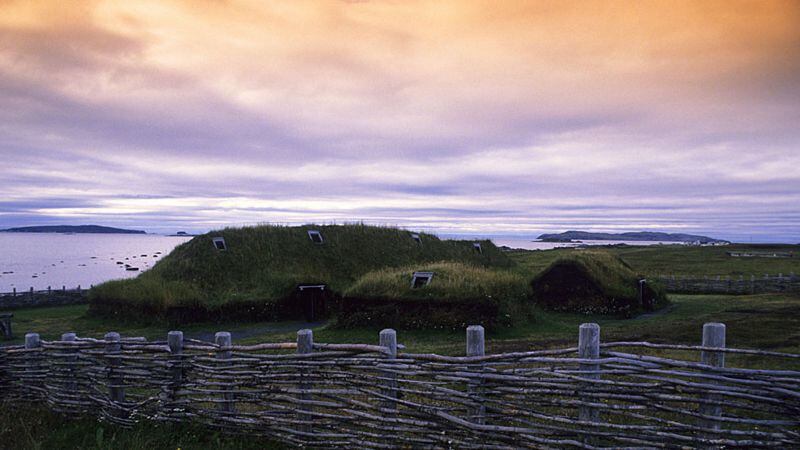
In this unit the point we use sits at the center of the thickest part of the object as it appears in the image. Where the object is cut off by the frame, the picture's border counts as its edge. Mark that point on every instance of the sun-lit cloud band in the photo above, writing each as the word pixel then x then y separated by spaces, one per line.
pixel 461 117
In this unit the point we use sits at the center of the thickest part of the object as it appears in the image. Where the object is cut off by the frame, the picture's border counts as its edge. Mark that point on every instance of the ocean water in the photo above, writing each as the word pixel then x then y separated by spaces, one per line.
pixel 530 244
pixel 40 260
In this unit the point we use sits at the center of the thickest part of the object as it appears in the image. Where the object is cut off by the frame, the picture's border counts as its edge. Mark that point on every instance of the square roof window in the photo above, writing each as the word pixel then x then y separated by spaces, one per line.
pixel 219 243
pixel 477 247
pixel 420 279
pixel 315 236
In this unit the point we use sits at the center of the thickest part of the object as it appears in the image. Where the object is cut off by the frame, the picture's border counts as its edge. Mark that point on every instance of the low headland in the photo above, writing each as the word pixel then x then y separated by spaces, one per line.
pixel 573 236
pixel 99 229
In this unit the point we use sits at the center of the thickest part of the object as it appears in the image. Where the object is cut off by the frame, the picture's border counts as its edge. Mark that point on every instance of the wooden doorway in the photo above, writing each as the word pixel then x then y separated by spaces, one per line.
pixel 312 298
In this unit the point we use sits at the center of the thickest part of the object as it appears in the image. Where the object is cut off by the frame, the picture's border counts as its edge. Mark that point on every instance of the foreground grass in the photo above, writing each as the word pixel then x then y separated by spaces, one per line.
pixel 36 427
pixel 768 321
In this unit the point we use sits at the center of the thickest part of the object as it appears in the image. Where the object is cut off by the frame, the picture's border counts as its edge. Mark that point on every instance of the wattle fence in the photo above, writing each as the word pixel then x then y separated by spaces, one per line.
pixel 615 394
pixel 730 284
pixel 47 297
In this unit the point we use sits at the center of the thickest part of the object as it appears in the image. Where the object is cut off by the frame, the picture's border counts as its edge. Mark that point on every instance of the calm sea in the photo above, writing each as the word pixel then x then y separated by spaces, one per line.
pixel 40 260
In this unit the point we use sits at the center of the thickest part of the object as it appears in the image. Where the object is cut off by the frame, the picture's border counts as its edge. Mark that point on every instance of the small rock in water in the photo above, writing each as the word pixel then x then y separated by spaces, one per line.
pixel 132 269
pixel 119 262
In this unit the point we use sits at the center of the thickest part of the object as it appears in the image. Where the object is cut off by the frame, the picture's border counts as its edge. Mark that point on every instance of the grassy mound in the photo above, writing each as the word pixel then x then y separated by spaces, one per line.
pixel 256 277
pixel 595 282
pixel 458 295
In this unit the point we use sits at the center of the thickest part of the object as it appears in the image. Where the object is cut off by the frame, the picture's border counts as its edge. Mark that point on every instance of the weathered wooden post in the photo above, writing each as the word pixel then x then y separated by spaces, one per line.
pixel 589 348
pixel 69 366
pixel 63 289
pixel 175 343
pixel 116 388
pixel 713 336
pixel 5 321
pixel 32 341
pixel 305 345
pixel 388 339
pixel 49 291
pixel 476 347
pixel 31 293
pixel 14 292
pixel 223 339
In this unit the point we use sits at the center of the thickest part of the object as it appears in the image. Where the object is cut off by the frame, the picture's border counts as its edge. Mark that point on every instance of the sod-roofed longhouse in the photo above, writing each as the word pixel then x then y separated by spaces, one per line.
pixel 445 295
pixel 595 282
pixel 256 273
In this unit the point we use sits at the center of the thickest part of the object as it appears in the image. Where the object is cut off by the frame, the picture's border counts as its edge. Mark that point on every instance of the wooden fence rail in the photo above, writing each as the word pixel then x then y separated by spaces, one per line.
pixel 615 394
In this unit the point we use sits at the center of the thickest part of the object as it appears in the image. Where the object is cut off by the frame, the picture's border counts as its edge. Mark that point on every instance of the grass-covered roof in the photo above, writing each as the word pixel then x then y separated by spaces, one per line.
pixel 266 263
pixel 594 281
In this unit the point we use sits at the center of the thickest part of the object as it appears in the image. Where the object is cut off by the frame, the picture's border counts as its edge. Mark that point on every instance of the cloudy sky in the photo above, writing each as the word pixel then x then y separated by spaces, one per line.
pixel 460 117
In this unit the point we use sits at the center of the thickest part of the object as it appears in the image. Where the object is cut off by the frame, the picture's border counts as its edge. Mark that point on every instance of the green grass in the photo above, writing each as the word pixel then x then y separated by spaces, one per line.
pixel 769 321
pixel 451 280
pixel 679 260
pixel 263 265
pixel 25 427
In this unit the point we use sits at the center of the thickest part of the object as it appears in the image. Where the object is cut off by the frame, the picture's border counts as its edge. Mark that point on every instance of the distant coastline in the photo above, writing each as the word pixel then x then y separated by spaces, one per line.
pixel 576 236
pixel 72 229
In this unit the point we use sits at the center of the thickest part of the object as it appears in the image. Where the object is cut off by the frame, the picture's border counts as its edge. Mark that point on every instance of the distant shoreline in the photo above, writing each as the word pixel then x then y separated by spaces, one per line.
pixel 72 229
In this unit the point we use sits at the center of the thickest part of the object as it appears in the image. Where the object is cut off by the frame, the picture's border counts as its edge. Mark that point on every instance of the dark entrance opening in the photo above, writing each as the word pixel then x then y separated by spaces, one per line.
pixel 312 301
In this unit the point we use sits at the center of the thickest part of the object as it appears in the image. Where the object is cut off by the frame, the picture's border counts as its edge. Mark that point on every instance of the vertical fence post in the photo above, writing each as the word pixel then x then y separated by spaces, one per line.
pixel 476 347
pixel 116 390
pixel 32 341
pixel 72 385
pixel 589 348
pixel 175 343
pixel 31 293
pixel 713 336
pixel 388 339
pixel 14 292
pixel 305 345
pixel 223 339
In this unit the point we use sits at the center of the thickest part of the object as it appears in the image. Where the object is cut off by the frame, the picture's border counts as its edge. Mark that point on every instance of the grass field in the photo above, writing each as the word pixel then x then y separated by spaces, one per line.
pixel 752 322
pixel 680 259
pixel 35 428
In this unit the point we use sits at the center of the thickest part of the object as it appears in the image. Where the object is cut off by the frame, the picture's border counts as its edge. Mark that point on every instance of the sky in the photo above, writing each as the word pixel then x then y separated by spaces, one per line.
pixel 473 117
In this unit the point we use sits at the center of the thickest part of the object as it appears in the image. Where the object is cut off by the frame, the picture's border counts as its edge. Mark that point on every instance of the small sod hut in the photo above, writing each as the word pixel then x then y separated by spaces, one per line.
pixel 595 282
pixel 452 296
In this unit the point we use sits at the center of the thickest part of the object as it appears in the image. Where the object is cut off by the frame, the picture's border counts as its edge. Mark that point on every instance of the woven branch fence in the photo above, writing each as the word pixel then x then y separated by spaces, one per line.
pixel 730 285
pixel 616 394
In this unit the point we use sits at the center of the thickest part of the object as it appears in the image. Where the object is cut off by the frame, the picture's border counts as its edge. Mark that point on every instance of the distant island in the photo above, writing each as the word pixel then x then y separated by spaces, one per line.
pixel 72 229
pixel 570 236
